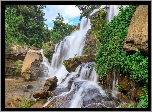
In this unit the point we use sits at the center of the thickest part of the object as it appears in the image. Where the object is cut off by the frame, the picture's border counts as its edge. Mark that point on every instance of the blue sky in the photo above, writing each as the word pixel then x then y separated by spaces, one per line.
pixel 70 14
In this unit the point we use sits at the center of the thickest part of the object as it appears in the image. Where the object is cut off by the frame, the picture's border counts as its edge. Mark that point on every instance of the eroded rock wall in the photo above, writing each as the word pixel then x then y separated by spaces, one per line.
pixel 137 37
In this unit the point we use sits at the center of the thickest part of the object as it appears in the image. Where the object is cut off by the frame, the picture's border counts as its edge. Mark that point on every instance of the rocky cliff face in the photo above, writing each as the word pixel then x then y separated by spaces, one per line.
pixel 14 56
pixel 32 67
pixel 137 37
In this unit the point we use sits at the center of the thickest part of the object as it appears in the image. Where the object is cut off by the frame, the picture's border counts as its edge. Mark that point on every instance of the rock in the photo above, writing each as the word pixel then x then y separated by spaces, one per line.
pixel 48 87
pixel 15 52
pixel 137 37
pixel 42 94
pixel 135 93
pixel 125 82
pixel 32 68
pixel 50 84
pixel 72 63
pixel 29 87
pixel 30 57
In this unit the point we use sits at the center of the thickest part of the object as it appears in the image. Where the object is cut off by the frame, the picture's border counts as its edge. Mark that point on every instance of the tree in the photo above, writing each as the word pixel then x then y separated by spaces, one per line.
pixel 60 29
pixel 87 9
pixel 32 27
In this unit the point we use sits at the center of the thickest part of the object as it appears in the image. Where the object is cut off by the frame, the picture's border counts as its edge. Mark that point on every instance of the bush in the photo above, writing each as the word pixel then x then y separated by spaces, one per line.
pixel 111 56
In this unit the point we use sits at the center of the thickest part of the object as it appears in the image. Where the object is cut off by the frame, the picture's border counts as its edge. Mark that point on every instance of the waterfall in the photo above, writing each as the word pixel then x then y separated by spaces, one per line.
pixel 69 47
pixel 84 80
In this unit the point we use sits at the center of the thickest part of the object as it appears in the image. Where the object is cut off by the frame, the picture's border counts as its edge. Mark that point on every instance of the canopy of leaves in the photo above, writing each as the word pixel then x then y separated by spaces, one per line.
pixel 60 29
pixel 24 24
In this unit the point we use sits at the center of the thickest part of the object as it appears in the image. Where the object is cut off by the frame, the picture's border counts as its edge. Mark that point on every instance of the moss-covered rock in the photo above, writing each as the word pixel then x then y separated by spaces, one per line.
pixel 72 63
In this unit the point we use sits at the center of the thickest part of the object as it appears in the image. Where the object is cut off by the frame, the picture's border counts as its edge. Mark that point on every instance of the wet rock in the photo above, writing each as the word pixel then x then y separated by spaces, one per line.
pixel 50 84
pixel 29 87
pixel 78 84
pixel 134 93
pixel 42 94
pixel 26 90
pixel 72 63
pixel 58 91
pixel 94 105
pixel 70 84
pixel 137 37
pixel 125 82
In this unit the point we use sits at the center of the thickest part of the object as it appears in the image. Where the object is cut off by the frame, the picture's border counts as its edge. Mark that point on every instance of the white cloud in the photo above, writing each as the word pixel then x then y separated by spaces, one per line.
pixel 49 28
pixel 71 23
pixel 67 11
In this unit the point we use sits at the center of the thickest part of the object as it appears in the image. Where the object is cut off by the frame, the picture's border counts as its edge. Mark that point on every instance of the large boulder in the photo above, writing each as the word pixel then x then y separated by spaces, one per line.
pixel 137 37
pixel 72 63
pixel 46 92
pixel 50 84
pixel 31 68
pixel 40 94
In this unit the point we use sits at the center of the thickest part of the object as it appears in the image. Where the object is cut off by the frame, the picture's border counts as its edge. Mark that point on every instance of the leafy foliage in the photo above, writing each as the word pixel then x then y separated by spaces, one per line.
pixel 87 9
pixel 111 56
pixel 46 50
pixel 26 102
pixel 24 24
pixel 60 29
pixel 111 38
pixel 143 103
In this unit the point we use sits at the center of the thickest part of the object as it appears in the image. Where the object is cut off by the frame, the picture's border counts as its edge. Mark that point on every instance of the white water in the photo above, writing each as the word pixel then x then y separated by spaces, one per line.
pixel 69 47
pixel 112 10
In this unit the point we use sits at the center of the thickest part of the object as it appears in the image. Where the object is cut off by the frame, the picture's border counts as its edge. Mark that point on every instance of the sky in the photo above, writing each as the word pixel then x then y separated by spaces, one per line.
pixel 70 13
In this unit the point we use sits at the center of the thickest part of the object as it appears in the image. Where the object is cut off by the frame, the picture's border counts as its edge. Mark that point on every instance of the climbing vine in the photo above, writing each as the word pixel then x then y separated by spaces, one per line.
pixel 111 56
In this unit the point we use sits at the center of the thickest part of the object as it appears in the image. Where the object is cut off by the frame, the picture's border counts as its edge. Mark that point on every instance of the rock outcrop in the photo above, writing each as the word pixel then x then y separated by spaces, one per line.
pixel 15 52
pixel 14 56
pixel 49 86
pixel 72 63
pixel 122 83
pixel 32 68
pixel 137 37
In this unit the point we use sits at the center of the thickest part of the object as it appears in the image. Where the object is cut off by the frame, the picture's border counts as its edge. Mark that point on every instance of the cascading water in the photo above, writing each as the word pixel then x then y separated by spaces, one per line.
pixel 80 88
pixel 69 47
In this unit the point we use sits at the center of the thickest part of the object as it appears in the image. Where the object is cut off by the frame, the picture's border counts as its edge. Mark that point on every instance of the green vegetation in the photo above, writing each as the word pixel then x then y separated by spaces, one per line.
pixel 60 29
pixel 97 21
pixel 47 50
pixel 24 25
pixel 87 9
pixel 15 70
pixel 111 54
pixel 26 102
